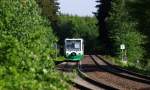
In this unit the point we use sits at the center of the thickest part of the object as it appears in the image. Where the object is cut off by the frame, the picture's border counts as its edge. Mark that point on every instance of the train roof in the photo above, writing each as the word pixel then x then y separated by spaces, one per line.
pixel 73 39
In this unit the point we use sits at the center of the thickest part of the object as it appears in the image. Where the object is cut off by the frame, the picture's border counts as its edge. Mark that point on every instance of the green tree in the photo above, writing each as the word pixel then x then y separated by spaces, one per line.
pixel 26 52
pixel 101 15
pixel 50 10
pixel 123 31
pixel 140 11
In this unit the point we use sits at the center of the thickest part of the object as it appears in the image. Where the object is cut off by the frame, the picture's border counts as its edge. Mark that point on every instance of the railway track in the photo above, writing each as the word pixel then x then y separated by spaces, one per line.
pixel 93 82
pixel 82 81
pixel 120 72
pixel 96 74
pixel 104 74
pixel 68 67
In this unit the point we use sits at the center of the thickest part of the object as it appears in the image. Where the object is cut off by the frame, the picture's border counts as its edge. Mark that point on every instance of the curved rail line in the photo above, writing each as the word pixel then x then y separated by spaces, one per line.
pixel 124 70
pixel 93 81
pixel 65 67
pixel 124 73
pixel 106 75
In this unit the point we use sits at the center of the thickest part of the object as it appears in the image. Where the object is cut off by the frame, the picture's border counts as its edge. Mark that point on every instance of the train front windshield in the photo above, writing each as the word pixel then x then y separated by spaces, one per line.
pixel 73 45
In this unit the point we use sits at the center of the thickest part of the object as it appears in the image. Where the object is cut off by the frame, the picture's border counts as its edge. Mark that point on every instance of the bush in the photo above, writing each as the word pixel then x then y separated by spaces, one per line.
pixel 26 53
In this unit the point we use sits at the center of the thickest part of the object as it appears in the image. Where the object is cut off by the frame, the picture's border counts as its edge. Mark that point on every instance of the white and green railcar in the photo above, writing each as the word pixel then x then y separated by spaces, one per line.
pixel 74 49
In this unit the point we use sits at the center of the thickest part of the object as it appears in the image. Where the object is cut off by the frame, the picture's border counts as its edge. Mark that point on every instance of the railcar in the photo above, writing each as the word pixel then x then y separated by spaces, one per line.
pixel 74 49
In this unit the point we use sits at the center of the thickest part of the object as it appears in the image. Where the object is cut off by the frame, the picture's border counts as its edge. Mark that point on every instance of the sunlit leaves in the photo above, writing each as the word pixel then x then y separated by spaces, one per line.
pixel 26 55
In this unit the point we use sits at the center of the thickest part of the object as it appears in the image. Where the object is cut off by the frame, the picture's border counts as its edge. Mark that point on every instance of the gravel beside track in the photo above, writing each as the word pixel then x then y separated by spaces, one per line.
pixel 66 66
pixel 82 82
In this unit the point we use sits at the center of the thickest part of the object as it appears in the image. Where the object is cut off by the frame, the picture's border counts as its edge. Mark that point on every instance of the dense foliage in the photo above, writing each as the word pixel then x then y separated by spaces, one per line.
pixel 140 12
pixel 79 27
pixel 26 52
pixel 123 31
pixel 101 15
pixel 50 10
pixel 119 28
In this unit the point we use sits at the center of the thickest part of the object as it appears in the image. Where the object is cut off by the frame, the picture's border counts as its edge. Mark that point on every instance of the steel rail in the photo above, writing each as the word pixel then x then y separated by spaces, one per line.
pixel 119 74
pixel 93 81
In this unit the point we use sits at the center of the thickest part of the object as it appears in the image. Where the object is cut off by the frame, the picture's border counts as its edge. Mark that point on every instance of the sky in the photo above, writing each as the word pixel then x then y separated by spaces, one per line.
pixel 78 7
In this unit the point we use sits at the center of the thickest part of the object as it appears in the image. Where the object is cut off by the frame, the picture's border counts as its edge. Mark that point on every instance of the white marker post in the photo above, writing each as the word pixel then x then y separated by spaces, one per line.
pixel 122 47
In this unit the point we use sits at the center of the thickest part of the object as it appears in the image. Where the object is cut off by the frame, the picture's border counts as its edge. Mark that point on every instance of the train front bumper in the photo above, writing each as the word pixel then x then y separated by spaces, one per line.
pixel 74 57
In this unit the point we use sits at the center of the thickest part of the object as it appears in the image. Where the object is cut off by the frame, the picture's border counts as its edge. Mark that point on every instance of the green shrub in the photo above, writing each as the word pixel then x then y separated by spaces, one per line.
pixel 26 52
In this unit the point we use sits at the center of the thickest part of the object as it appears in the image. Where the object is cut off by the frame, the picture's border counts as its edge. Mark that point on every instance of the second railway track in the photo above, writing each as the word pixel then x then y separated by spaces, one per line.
pixel 124 70
pixel 103 74
pixel 117 71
